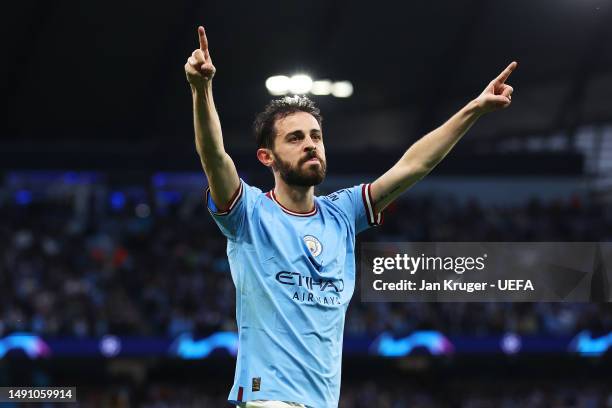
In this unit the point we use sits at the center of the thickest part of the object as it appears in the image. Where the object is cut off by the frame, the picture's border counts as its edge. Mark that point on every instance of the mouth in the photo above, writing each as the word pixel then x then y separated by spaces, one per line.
pixel 313 160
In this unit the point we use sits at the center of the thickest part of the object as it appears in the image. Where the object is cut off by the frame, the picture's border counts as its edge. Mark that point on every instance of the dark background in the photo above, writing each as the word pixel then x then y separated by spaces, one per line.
pixel 105 76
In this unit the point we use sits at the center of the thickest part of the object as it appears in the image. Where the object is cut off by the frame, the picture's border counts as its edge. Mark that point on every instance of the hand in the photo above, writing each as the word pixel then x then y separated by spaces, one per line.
pixel 199 67
pixel 498 94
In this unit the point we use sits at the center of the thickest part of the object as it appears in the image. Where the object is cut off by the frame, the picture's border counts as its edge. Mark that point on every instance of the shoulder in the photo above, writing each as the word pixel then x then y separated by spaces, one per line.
pixel 252 190
pixel 342 200
pixel 336 196
pixel 349 195
pixel 253 196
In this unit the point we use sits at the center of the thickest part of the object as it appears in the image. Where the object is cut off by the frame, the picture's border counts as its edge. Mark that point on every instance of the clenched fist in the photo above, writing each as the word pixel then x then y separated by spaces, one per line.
pixel 199 67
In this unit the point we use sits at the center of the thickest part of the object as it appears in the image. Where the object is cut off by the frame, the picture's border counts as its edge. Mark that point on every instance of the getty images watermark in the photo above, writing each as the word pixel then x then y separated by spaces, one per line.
pixel 485 271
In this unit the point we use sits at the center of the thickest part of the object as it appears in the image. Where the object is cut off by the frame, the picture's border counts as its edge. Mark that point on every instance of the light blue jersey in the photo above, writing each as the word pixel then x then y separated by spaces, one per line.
pixel 294 275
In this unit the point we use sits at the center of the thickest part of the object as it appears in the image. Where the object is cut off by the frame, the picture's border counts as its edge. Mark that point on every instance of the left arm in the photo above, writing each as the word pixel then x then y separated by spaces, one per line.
pixel 428 151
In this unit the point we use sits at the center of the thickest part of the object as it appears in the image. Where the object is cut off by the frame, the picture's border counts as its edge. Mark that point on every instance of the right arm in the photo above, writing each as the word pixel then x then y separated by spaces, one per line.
pixel 217 164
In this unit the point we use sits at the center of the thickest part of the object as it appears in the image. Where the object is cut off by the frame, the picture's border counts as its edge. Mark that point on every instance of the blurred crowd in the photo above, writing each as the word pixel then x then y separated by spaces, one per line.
pixel 137 270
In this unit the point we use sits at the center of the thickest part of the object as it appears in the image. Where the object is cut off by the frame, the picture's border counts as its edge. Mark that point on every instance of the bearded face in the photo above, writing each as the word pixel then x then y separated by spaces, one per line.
pixel 298 154
pixel 309 171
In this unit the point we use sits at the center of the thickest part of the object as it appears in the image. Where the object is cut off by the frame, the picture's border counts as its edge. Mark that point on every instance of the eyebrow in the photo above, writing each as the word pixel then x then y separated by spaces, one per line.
pixel 299 131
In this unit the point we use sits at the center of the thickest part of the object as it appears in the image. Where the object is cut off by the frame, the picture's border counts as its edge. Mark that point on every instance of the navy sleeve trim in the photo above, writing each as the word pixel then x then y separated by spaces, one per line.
pixel 366 195
pixel 212 208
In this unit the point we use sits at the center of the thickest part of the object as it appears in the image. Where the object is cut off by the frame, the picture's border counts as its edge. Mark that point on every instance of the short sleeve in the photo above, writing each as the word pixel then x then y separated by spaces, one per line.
pixel 231 221
pixel 356 203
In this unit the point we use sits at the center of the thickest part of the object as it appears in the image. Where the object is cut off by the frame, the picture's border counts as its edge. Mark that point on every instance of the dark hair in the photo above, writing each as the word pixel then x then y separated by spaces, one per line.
pixel 278 109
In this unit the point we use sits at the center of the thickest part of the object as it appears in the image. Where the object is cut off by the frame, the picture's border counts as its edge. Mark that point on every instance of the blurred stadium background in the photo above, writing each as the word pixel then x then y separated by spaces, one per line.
pixel 114 278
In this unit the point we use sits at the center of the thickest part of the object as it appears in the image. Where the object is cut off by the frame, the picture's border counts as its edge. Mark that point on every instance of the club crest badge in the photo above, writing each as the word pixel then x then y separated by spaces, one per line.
pixel 313 245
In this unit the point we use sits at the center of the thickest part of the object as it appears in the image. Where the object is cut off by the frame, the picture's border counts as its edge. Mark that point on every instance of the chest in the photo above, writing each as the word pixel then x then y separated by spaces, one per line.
pixel 318 244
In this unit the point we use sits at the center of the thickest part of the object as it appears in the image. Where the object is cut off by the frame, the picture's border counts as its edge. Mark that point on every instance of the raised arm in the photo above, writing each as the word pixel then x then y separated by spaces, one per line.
pixel 219 167
pixel 428 151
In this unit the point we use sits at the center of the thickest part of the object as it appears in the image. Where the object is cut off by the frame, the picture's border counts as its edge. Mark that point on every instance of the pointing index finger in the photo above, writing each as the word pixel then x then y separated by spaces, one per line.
pixel 203 39
pixel 506 73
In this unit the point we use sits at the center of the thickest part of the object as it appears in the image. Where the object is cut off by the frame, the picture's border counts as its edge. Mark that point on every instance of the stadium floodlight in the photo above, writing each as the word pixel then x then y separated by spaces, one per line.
pixel 300 84
pixel 321 87
pixel 110 346
pixel 511 343
pixel 278 85
pixel 342 89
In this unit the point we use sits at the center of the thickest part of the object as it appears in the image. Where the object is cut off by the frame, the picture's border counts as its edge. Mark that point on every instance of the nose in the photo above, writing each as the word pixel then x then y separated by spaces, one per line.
pixel 309 144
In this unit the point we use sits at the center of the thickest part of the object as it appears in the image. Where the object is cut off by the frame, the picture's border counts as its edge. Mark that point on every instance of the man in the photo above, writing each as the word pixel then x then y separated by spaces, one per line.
pixel 292 254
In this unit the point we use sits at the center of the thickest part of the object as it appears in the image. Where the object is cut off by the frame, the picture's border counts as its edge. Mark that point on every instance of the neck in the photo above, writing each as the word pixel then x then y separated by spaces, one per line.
pixel 294 198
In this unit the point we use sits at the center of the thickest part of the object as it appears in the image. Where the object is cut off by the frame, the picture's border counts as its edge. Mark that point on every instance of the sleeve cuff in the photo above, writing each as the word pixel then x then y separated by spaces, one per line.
pixel 374 219
pixel 212 208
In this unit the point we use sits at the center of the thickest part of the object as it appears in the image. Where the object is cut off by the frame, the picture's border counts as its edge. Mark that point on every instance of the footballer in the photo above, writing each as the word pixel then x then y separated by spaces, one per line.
pixel 291 253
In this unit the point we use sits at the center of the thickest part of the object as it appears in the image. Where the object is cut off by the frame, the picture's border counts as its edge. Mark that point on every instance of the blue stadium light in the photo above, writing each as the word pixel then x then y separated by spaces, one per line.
pixel 23 197
pixel 584 343
pixel 71 177
pixel 432 341
pixel 30 344
pixel 188 348
pixel 117 200
pixel 110 346
pixel 159 180
pixel 170 197
pixel 511 343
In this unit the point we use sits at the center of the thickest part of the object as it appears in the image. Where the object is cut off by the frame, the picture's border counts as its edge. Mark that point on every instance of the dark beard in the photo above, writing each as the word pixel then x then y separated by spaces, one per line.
pixel 295 176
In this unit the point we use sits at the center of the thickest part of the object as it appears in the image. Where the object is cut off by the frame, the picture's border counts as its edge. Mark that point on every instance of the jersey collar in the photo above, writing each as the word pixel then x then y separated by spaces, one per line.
pixel 270 194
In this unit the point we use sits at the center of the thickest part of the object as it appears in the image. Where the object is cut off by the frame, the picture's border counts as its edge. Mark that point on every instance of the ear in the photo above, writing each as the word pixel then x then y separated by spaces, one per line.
pixel 265 156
